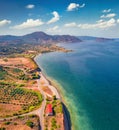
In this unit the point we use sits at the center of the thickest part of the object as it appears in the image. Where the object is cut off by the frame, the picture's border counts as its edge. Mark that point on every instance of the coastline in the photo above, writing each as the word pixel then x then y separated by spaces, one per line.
pixel 55 90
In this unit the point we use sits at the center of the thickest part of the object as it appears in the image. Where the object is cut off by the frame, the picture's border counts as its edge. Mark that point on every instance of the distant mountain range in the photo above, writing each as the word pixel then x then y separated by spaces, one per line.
pixel 38 38
pixel 43 38
pixel 98 39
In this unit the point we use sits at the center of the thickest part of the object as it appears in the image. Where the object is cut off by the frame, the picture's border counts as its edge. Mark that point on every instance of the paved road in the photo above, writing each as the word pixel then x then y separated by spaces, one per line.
pixel 41 111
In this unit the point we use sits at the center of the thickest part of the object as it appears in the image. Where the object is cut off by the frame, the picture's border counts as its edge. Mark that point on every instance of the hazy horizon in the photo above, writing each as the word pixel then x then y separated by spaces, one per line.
pixel 60 34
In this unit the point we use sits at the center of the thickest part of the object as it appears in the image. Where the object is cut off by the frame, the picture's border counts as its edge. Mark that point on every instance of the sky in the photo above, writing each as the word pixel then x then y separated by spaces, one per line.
pixel 74 17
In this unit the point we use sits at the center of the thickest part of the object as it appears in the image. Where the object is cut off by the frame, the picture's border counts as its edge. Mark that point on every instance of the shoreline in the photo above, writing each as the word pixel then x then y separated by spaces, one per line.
pixel 55 90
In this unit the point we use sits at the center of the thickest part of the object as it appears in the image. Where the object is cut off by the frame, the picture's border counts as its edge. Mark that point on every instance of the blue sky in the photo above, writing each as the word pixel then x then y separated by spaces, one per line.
pixel 74 17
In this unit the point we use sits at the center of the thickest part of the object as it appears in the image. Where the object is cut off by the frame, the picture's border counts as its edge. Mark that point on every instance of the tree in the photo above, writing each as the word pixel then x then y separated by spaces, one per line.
pixel 54 97
pixel 30 123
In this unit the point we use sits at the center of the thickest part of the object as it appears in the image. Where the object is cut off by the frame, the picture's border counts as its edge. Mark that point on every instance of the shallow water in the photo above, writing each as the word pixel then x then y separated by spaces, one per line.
pixel 89 80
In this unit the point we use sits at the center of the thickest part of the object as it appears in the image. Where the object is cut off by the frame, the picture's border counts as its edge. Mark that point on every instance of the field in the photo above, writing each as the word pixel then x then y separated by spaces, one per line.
pixel 18 99
pixel 20 62
pixel 17 85
pixel 30 122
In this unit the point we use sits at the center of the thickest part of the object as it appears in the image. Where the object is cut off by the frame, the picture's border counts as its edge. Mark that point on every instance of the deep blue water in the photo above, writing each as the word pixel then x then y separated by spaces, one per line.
pixel 89 80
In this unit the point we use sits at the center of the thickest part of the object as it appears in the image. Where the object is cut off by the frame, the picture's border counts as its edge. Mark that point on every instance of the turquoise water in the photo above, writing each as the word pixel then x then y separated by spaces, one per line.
pixel 89 80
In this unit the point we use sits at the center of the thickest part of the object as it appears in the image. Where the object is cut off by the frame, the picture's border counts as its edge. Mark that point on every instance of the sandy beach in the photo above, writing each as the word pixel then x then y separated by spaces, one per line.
pixel 47 83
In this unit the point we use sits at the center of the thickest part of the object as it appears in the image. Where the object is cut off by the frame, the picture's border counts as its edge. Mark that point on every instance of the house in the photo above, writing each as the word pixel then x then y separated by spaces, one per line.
pixel 49 110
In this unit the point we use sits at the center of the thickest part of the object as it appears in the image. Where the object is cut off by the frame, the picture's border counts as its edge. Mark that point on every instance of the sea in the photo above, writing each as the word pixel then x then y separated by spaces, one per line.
pixel 88 80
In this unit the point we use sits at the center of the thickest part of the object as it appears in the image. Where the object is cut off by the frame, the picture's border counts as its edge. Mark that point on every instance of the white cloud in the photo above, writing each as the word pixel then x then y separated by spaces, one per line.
pixel 101 24
pixel 73 24
pixel 74 6
pixel 102 16
pixel 30 6
pixel 100 21
pixel 117 20
pixel 108 15
pixel 54 29
pixel 30 23
pixel 55 18
pixel 106 11
pixel 111 15
pixel 4 22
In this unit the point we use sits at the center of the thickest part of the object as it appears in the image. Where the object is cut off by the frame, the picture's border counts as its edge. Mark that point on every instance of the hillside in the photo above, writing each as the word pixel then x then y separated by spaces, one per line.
pixel 37 42
pixel 37 38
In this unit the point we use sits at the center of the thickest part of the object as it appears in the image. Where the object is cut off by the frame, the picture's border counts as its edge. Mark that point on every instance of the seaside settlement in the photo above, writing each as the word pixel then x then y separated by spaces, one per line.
pixel 27 99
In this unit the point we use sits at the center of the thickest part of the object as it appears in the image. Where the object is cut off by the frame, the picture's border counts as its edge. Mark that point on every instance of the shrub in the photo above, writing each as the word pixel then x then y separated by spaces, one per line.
pixel 7 123
pixel 20 85
pixel 32 116
pixel 16 70
pixel 31 108
pixel 6 60
pixel 54 123
pixel 15 114
pixel 15 123
pixel 30 123
pixel 54 97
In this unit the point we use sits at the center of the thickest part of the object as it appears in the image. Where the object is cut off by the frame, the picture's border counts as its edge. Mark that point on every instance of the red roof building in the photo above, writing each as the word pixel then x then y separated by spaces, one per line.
pixel 49 110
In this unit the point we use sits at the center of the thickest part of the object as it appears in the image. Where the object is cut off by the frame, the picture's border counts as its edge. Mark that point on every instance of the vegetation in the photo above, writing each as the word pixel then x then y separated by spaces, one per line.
pixel 54 97
pixel 20 123
pixel 32 116
pixel 16 75
pixel 30 123
pixel 58 107
pixel 28 50
pixel 3 73
pixel 27 99
pixel 35 75
pixel 7 73
pixel 17 70
pixel 54 122
pixel 7 123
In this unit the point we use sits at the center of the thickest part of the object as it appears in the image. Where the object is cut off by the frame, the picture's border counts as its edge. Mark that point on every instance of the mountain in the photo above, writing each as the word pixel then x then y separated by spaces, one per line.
pixel 86 38
pixel 104 39
pixel 37 38
pixel 97 39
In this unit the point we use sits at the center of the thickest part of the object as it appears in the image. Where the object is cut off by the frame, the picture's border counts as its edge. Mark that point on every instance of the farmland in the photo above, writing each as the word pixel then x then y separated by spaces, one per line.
pixel 17 87
pixel 21 100
pixel 30 122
